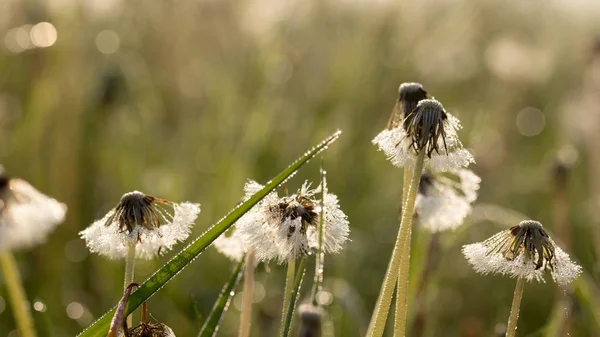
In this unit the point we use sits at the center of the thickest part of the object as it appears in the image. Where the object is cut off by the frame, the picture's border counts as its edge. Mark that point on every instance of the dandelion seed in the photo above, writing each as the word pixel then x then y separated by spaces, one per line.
pixel 27 216
pixel 444 200
pixel 523 251
pixel 154 225
pixel 232 245
pixel 431 128
pixel 284 228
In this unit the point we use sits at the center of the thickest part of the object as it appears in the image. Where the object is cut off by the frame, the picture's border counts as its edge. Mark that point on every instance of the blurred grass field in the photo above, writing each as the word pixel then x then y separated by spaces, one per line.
pixel 186 100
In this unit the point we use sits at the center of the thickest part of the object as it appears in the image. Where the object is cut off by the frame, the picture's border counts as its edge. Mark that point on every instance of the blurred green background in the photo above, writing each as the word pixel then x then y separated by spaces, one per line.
pixel 185 100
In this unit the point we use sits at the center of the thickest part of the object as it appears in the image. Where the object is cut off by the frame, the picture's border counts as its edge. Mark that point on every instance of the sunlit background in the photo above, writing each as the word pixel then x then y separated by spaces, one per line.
pixel 186 100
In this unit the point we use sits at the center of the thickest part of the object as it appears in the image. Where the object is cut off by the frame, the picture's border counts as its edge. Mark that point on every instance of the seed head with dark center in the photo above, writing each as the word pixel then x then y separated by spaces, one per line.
pixel 426 183
pixel 298 207
pixel 139 209
pixel 529 238
pixel 427 127
pixel 409 95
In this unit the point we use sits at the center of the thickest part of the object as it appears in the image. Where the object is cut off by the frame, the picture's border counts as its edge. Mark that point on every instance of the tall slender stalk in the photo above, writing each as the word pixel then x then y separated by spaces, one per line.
pixel 289 310
pixel 289 289
pixel 511 329
pixel 246 314
pixel 320 257
pixel 129 272
pixel 420 321
pixel 16 293
pixel 382 307
pixel 406 234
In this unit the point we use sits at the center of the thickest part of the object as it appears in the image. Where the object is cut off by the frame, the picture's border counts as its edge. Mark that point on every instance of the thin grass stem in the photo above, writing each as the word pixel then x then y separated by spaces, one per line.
pixel 16 293
pixel 287 292
pixel 289 310
pixel 511 329
pixel 320 257
pixel 382 307
pixel 247 295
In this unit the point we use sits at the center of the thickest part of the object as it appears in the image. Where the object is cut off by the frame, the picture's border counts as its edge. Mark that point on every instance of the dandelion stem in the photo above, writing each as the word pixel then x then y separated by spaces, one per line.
pixel 16 294
pixel 287 292
pixel 420 321
pixel 246 314
pixel 320 257
pixel 406 236
pixel 129 272
pixel 401 248
pixel 511 330
pixel 289 310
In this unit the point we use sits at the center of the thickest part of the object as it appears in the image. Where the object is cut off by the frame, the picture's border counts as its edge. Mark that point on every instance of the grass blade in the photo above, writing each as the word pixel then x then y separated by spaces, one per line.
pixel 289 317
pixel 211 326
pixel 161 277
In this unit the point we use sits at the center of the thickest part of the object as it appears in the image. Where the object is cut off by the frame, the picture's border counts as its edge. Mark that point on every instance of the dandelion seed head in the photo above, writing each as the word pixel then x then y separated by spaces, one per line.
pixel 444 201
pixel 153 225
pixel 431 128
pixel 409 95
pixel 27 216
pixel 232 246
pixel 285 228
pixel 524 251
pixel 151 329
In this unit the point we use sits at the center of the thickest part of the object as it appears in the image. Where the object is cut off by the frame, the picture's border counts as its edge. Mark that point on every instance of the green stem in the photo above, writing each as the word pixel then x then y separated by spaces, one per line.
pixel 320 257
pixel 511 329
pixel 16 293
pixel 401 248
pixel 289 310
pixel 406 236
pixel 287 292
pixel 129 272
pixel 246 314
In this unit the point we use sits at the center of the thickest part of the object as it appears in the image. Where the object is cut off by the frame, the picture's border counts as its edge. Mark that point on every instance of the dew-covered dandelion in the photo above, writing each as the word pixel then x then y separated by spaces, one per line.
pixel 149 224
pixel 27 216
pixel 409 95
pixel 444 199
pixel 430 128
pixel 523 251
pixel 284 228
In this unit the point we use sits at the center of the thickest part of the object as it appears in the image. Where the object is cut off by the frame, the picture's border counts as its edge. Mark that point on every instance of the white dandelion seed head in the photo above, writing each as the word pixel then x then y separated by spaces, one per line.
pixel 505 253
pixel 335 226
pixel 27 216
pixel 155 234
pixel 232 245
pixel 397 146
pixel 444 202
pixel 285 228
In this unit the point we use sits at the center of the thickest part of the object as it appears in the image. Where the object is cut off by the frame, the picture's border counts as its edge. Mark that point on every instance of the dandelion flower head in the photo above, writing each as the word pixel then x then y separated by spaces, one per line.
pixel 428 128
pixel 284 228
pixel 27 216
pixel 523 251
pixel 409 95
pixel 154 225
pixel 444 200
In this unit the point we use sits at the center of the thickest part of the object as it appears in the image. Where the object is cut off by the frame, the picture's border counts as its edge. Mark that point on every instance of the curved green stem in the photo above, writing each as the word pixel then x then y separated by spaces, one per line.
pixel 129 272
pixel 401 248
pixel 289 310
pixel 247 295
pixel 511 329
pixel 16 294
